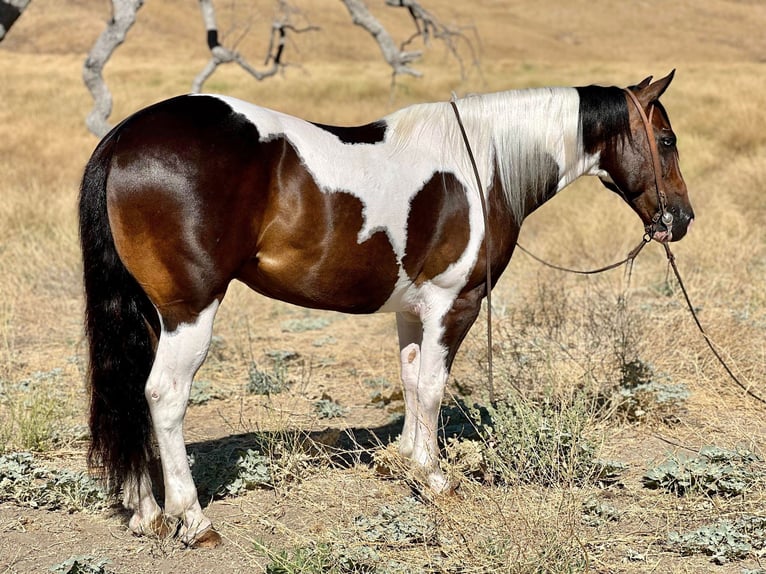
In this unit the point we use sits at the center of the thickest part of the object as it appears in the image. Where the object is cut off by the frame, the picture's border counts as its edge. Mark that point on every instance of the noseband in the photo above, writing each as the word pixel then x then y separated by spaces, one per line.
pixel 662 215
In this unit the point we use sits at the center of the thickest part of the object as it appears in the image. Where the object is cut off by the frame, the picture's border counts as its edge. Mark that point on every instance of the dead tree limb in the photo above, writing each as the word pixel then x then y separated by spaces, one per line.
pixel 223 55
pixel 123 17
pixel 397 58
pixel 428 26
pixel 10 10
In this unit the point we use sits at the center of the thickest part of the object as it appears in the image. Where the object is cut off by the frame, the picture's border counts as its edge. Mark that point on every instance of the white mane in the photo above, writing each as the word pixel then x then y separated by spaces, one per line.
pixel 512 132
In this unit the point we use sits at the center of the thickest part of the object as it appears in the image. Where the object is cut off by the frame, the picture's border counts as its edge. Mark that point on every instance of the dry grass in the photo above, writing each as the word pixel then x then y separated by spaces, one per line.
pixel 716 104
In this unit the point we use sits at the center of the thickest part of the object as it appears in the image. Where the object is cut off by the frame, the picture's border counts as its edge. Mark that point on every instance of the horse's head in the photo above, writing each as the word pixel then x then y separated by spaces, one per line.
pixel 644 169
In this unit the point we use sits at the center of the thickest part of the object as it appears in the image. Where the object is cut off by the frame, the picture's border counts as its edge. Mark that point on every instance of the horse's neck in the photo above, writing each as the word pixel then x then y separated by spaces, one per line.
pixel 534 141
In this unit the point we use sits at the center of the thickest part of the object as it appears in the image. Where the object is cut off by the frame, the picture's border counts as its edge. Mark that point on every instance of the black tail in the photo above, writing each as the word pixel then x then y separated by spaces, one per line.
pixel 117 314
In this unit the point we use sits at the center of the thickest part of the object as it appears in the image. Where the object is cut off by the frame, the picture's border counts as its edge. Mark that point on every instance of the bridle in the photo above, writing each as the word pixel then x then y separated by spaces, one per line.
pixel 663 215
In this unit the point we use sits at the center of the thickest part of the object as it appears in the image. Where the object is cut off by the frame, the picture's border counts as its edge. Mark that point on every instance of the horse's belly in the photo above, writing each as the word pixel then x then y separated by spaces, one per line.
pixel 357 278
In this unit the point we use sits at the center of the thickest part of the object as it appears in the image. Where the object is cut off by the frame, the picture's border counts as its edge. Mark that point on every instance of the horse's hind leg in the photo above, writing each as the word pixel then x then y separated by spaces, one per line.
pixel 180 351
pixel 147 516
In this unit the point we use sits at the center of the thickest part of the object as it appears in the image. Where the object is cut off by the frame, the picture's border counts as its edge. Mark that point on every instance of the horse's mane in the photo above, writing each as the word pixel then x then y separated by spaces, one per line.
pixel 514 135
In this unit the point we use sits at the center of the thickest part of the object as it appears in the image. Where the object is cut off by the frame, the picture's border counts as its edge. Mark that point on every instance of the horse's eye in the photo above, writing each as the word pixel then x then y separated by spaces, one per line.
pixel 668 141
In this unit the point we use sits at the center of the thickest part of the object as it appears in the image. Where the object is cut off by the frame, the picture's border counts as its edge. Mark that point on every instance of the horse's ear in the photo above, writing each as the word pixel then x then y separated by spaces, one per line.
pixel 648 93
pixel 643 83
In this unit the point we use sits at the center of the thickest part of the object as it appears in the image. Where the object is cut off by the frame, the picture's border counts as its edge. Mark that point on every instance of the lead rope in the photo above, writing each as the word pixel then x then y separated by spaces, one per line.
pixel 716 354
pixel 487 244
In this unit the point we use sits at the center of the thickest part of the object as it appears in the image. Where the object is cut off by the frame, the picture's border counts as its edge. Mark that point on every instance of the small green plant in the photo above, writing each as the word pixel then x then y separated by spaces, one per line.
pixel 201 393
pixel 406 522
pixel 324 340
pixel 26 483
pixel 269 461
pixel 724 540
pixel 35 412
pixel 715 471
pixel 305 324
pixel 263 382
pixel 82 565
pixel 253 470
pixel 230 471
pixel 401 526
pixel 311 559
pixel 596 512
pixel 327 408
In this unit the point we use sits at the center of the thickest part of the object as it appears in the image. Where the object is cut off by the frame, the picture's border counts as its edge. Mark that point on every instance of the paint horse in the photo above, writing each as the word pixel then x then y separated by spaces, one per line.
pixel 188 194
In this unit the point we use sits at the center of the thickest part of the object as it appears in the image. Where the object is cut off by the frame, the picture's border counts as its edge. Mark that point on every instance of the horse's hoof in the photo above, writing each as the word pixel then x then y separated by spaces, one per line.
pixel 208 539
pixel 163 527
pixel 160 526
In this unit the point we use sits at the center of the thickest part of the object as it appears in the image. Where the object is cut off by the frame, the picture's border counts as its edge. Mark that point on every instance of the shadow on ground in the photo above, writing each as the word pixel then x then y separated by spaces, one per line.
pixel 230 464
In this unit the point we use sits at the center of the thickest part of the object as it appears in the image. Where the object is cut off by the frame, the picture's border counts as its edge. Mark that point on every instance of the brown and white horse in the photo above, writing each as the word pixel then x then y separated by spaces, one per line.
pixel 191 193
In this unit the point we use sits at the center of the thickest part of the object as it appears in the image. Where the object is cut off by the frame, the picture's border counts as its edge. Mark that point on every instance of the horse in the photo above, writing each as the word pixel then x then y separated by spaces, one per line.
pixel 193 192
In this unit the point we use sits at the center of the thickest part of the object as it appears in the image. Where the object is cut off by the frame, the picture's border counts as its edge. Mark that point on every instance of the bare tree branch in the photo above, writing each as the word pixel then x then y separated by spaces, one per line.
pixel 10 10
pixel 123 17
pixel 427 26
pixel 222 55
pixel 398 59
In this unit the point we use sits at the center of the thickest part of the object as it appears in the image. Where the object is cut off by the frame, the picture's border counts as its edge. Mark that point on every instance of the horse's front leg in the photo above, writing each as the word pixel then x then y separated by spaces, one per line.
pixel 441 338
pixel 180 353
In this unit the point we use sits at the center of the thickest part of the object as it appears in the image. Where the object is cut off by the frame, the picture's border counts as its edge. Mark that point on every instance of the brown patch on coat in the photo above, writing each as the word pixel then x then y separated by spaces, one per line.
pixel 307 250
pixel 437 228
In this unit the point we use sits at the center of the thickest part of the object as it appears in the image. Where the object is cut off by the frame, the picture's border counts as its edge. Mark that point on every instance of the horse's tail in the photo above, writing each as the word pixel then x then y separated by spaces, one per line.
pixel 118 315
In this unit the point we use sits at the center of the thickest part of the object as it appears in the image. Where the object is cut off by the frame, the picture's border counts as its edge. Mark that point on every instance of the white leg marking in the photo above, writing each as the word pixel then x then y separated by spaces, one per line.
pixel 430 390
pixel 410 357
pixel 179 354
pixel 137 496
pixel 410 332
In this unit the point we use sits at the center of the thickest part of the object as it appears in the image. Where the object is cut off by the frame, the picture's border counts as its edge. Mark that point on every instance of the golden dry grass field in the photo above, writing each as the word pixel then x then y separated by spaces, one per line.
pixel 571 352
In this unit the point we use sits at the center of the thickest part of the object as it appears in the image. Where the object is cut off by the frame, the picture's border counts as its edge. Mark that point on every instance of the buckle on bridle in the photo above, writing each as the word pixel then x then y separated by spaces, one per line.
pixel 661 219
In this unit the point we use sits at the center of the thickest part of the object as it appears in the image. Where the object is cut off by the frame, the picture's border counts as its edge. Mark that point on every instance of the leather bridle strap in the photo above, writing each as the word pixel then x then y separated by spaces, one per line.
pixel 662 214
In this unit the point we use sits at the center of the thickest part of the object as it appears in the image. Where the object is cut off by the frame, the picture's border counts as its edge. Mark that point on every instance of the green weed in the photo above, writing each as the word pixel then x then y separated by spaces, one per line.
pixel 24 482
pixel 35 411
pixel 201 393
pixel 715 471
pixel 642 394
pixel 327 408
pixel 724 540
pixel 263 382
pixel 305 324
pixel 596 512
pixel 544 444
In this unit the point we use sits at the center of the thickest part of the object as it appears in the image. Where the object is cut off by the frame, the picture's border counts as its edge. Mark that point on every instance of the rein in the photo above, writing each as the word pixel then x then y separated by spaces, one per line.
pixel 664 216
pixel 487 244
